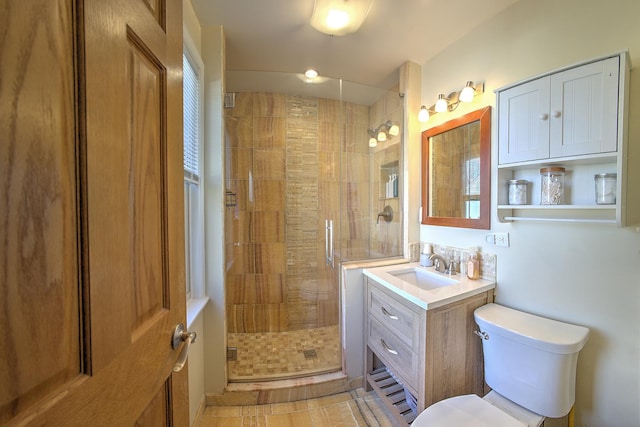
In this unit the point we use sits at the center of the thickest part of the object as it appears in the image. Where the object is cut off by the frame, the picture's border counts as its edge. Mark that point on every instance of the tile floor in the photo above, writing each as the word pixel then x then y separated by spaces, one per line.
pixel 270 355
pixel 355 408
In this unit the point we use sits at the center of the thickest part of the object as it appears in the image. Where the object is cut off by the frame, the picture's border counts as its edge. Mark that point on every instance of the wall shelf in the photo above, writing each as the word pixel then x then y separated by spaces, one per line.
pixel 539 126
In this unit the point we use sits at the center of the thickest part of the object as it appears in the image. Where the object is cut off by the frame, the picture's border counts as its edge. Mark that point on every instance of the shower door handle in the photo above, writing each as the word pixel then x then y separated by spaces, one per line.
pixel 328 237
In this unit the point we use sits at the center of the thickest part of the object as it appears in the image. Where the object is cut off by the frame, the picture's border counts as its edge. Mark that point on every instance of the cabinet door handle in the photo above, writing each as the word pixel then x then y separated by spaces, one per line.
pixel 389 315
pixel 544 116
pixel 386 347
pixel 556 113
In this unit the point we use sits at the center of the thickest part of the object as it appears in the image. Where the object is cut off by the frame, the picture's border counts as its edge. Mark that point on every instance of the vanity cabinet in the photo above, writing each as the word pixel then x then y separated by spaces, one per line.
pixel 574 118
pixel 432 354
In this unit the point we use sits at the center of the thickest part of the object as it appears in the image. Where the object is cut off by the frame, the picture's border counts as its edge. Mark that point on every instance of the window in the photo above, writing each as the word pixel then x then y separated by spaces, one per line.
pixel 193 206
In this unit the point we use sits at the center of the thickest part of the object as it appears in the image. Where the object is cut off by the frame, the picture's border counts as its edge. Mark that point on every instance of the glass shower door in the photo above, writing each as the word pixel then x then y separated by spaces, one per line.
pixel 304 189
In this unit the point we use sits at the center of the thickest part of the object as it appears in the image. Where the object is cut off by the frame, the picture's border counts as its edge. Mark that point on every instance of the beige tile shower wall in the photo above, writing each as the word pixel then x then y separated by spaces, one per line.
pixel 386 237
pixel 282 160
pixel 356 178
pixel 254 227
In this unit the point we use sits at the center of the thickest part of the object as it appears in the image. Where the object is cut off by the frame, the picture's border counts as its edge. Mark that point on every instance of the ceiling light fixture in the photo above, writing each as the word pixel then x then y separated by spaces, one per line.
pixel 311 74
pixel 339 17
pixel 451 102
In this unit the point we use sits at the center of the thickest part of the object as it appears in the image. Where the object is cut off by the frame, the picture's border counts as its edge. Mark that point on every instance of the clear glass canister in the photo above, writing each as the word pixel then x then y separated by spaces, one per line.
pixel 518 191
pixel 605 188
pixel 552 185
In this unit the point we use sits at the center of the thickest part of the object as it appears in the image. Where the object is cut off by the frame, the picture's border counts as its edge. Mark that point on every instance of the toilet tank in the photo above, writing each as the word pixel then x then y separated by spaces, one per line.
pixel 530 360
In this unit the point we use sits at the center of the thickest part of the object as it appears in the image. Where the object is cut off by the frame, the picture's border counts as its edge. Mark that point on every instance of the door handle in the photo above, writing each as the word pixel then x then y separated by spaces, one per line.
pixel 180 335
pixel 328 234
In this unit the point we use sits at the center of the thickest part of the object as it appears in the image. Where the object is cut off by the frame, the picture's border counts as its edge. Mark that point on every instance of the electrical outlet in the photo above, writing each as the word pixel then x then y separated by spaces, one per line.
pixel 501 239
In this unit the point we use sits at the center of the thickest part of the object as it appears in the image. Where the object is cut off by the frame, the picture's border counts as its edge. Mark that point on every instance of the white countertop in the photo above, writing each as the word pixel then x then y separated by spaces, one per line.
pixel 431 298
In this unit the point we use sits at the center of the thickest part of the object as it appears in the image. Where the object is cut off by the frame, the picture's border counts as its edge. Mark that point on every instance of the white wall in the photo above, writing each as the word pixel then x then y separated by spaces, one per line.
pixel 581 273
pixel 207 369
pixel 215 343
pixel 191 29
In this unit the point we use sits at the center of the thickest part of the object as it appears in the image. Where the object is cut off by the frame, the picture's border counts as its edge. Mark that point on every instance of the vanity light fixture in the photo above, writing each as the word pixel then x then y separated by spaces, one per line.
pixel 339 17
pixel 451 102
pixel 386 130
pixel 442 104
pixel 467 93
pixel 423 115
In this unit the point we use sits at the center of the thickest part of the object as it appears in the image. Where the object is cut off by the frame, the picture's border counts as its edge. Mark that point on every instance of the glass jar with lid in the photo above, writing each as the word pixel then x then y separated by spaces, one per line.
pixel 552 185
pixel 605 188
pixel 518 191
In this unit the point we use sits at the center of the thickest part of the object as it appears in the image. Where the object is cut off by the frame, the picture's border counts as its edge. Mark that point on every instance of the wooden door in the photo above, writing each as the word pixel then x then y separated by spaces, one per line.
pixel 91 214
pixel 523 124
pixel 584 109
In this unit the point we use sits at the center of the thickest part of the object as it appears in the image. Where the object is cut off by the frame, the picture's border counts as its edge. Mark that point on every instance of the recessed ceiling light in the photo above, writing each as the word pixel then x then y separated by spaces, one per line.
pixel 311 74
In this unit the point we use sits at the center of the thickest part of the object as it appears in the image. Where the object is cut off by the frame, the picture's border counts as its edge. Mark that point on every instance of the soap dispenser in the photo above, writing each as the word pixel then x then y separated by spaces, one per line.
pixel 425 256
pixel 473 264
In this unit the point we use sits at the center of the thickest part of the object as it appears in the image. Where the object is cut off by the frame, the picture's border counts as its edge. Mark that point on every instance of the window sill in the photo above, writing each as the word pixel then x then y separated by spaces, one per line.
pixel 195 306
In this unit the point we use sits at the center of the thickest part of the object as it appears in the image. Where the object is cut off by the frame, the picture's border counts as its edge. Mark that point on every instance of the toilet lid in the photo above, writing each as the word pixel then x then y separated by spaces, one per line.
pixel 465 411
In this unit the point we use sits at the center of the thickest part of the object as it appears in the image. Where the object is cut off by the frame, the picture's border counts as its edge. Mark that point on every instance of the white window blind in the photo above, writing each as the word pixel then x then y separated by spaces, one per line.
pixel 191 103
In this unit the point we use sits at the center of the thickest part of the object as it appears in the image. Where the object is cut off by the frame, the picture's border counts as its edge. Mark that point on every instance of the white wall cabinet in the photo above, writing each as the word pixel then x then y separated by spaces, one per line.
pixel 574 117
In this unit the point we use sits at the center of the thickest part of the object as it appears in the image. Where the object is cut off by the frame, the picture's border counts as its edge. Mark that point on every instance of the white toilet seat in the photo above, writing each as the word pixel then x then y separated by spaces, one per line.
pixel 465 411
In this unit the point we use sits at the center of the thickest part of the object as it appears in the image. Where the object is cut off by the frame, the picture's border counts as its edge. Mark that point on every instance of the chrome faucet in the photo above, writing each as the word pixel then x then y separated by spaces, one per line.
pixel 441 265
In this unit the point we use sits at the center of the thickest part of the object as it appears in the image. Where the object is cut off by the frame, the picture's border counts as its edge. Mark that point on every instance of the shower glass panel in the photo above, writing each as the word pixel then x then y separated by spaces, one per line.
pixel 299 182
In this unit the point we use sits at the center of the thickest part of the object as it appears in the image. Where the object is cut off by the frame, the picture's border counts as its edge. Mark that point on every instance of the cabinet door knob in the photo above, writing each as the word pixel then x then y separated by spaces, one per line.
pixel 544 116
pixel 556 113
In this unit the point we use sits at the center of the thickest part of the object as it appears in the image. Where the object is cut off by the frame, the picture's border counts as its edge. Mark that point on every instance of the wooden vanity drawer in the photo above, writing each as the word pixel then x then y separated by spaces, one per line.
pixel 394 314
pixel 393 352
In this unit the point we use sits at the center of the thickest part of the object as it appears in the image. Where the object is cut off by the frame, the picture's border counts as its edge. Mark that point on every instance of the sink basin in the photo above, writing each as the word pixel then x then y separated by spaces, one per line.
pixel 422 278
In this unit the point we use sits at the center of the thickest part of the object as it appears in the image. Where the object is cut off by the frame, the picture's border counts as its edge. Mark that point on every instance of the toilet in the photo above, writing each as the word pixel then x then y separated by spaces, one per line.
pixel 530 365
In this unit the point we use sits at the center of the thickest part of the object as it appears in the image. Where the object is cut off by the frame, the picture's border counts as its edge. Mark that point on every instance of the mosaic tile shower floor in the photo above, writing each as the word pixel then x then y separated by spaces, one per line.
pixel 279 355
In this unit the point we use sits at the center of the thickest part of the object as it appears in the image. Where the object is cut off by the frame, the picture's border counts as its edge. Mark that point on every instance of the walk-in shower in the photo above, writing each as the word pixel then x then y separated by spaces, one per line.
pixel 303 193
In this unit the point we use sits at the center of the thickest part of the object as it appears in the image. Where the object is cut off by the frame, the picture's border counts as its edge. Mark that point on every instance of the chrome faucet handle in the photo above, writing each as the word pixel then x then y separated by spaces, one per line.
pixel 452 270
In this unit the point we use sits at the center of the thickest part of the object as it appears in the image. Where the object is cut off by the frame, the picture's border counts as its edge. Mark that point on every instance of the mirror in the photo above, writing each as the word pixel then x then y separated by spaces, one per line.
pixel 456 172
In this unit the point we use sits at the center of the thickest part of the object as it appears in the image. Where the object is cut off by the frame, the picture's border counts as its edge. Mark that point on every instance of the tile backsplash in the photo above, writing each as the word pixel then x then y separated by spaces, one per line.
pixel 488 261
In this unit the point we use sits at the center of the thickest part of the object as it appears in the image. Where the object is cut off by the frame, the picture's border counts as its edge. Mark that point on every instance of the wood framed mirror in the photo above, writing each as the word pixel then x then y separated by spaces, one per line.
pixel 456 172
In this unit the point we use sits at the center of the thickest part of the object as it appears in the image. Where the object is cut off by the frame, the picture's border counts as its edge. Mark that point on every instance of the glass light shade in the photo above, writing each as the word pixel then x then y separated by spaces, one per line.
pixel 382 136
pixel 394 130
pixel 311 74
pixel 423 115
pixel 373 142
pixel 339 17
pixel 467 94
pixel 441 104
